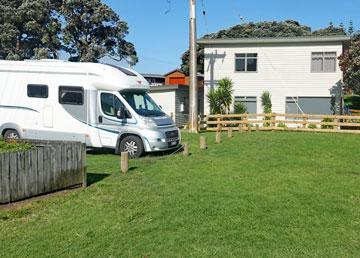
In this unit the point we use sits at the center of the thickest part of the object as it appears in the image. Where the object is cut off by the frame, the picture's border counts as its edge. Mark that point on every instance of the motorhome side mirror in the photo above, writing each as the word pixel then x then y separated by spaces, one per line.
pixel 121 113
pixel 160 106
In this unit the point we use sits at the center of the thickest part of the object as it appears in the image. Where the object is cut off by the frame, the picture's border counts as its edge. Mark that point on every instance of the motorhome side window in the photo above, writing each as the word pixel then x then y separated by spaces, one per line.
pixel 71 95
pixel 37 91
pixel 110 104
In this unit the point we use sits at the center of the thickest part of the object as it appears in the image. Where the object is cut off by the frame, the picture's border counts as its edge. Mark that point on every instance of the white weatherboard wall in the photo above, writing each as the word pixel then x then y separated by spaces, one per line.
pixel 283 69
pixel 166 99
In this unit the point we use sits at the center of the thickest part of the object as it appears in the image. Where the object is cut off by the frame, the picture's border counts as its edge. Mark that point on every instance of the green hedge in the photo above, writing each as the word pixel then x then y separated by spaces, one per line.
pixel 10 146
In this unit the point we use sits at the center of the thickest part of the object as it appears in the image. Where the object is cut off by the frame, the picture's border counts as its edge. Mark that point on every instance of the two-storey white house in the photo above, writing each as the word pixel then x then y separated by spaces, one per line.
pixel 301 73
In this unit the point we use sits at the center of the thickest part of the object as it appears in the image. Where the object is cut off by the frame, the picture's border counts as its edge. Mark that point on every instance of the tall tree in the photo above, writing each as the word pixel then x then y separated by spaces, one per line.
pixel 350 65
pixel 28 29
pixel 351 28
pixel 92 30
pixel 331 30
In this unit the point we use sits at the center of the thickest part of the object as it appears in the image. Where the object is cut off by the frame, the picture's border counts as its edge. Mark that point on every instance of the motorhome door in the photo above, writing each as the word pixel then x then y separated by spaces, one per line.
pixel 109 121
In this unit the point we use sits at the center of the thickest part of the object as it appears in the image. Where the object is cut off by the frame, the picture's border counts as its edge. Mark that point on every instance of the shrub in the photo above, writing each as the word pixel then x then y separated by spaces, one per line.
pixel 239 108
pixel 282 125
pixel 9 146
pixel 327 120
pixel 220 98
pixel 312 126
pixel 266 104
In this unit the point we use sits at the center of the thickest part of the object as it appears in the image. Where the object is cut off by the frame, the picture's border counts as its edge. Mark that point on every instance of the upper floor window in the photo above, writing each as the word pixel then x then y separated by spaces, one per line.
pixel 323 62
pixel 37 91
pixel 71 95
pixel 246 62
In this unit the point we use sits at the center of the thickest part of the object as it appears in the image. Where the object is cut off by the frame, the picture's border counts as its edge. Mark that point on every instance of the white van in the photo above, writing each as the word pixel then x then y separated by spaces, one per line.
pixel 100 105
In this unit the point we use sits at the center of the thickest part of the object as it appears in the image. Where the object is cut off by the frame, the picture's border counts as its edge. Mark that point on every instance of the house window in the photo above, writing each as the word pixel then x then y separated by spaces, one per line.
pixel 309 105
pixel 37 91
pixel 246 62
pixel 71 95
pixel 323 62
pixel 249 102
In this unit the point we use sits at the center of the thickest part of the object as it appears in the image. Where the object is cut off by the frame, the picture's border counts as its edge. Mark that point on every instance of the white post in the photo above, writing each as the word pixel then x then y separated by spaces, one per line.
pixel 193 70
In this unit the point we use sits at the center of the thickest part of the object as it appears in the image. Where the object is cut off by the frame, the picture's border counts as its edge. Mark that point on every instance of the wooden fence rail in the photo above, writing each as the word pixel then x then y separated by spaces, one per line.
pixel 274 121
pixel 48 167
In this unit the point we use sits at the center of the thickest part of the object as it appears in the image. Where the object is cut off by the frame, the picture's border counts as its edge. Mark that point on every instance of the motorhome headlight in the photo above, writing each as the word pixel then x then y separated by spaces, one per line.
pixel 148 122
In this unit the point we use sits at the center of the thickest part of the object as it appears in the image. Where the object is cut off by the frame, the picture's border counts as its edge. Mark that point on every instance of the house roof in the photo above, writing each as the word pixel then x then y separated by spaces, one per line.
pixel 152 75
pixel 275 40
pixel 173 71
pixel 179 70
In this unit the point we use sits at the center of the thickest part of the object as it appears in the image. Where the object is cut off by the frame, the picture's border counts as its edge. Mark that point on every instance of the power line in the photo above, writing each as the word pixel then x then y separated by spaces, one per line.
pixel 169 7
pixel 237 10
pixel 205 17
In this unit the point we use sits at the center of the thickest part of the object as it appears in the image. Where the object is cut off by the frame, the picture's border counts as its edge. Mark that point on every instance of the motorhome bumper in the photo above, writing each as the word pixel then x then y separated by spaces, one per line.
pixel 164 140
pixel 162 146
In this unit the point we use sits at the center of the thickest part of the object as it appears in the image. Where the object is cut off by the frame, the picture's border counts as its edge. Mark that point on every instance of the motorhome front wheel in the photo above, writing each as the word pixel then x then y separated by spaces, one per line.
pixel 133 145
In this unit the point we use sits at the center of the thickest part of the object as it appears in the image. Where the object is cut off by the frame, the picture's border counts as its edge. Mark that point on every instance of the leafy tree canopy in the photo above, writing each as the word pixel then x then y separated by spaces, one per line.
pixel 86 29
pixel 288 28
pixel 350 65
pixel 28 29
pixel 93 30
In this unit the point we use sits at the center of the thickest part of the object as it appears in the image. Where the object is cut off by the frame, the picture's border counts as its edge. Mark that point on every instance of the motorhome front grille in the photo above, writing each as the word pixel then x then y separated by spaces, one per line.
pixel 172 135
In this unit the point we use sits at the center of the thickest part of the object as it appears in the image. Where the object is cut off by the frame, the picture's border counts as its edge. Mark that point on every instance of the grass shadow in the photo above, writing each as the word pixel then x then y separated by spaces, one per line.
pixel 100 151
pixel 93 178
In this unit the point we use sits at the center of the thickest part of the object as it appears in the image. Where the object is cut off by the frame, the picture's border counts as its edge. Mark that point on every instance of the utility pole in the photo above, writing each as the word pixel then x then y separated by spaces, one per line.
pixel 193 70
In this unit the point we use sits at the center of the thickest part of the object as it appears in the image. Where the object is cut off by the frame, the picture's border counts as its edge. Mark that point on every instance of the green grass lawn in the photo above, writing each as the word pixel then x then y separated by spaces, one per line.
pixel 261 194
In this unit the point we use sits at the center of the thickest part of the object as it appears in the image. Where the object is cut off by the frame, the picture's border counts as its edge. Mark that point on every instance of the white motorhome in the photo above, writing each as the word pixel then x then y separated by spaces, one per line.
pixel 100 105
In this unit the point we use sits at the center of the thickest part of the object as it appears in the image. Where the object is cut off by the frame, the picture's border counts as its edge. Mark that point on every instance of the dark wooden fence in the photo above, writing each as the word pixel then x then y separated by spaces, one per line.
pixel 48 167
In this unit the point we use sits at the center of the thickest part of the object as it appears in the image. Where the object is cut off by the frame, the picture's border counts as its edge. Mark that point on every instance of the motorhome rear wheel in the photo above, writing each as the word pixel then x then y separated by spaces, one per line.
pixel 11 135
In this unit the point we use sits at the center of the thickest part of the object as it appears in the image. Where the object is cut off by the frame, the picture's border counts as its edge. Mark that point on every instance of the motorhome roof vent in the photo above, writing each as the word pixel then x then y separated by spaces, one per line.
pixel 125 71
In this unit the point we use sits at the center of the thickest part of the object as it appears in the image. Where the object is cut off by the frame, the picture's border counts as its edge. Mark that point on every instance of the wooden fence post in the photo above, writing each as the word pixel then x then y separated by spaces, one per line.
pixel 203 143
pixel 246 121
pixel 249 128
pixel 273 120
pixel 186 149
pixel 219 126
pixel 218 137
pixel 84 168
pixel 230 134
pixel 257 127
pixel 124 162
pixel 304 121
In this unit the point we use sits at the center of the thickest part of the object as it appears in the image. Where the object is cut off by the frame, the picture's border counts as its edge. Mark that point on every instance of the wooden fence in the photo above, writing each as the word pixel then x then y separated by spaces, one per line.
pixel 281 122
pixel 48 167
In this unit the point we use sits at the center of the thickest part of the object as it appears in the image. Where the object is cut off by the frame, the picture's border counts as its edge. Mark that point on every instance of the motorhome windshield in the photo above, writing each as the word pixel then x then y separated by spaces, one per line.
pixel 142 103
